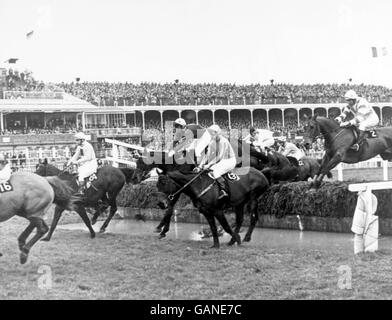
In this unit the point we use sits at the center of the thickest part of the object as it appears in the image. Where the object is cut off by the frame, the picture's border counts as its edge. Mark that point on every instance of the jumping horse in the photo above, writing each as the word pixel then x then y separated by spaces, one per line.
pixel 338 142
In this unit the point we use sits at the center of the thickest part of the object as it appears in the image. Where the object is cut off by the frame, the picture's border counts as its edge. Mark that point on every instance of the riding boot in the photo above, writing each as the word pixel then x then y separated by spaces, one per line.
pixel 361 137
pixel 222 186
pixel 81 189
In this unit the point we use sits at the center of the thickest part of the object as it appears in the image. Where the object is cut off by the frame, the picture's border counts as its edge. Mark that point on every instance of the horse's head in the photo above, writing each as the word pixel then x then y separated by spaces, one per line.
pixel 311 129
pixel 40 169
pixel 165 186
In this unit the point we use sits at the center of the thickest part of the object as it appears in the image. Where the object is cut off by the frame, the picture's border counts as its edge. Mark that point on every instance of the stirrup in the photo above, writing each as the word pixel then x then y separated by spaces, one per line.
pixel 355 147
pixel 222 194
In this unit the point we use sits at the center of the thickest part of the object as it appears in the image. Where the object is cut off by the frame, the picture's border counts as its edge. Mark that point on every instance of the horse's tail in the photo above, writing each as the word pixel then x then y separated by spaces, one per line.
pixel 63 193
pixel 128 173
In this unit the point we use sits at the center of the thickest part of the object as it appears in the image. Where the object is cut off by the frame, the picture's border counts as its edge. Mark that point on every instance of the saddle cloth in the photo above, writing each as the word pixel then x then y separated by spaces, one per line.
pixel 372 133
pixel 90 179
pixel 230 178
pixel 5 186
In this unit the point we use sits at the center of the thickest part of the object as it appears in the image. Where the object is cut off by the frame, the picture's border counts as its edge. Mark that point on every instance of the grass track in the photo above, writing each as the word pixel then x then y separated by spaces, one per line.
pixel 143 267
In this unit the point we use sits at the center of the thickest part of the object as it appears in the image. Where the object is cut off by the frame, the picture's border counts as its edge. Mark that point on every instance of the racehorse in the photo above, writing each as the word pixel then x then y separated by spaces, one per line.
pixel 338 142
pixel 203 191
pixel 102 193
pixel 30 197
pixel 162 161
pixel 274 165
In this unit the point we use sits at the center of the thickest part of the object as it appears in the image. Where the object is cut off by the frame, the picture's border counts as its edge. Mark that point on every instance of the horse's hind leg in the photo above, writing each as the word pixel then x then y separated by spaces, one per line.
pixel 254 217
pixel 113 209
pixel 24 235
pixel 42 228
pixel 82 213
pixel 214 231
pixel 239 218
pixel 225 225
pixel 57 215
pixel 101 207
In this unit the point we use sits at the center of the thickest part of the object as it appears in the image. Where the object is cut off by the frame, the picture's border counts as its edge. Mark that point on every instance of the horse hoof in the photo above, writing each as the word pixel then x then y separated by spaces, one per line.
pixel 45 239
pixel 215 246
pixel 161 236
pixel 231 242
pixel 157 230
pixel 92 235
pixel 23 257
pixel 246 239
pixel 102 230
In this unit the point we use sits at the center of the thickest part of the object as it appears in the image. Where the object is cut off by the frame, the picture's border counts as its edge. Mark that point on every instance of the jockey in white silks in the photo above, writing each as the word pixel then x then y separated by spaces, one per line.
pixel 84 157
pixel 5 169
pixel 260 138
pixel 364 115
pixel 220 158
pixel 289 149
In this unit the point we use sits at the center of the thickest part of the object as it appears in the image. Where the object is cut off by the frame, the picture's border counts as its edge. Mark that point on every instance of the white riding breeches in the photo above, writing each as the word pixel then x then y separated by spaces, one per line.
pixel 87 169
pixel 223 166
pixel 371 121
pixel 268 143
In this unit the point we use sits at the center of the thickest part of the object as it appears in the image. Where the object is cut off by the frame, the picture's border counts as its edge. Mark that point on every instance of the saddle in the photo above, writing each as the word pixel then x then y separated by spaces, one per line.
pixel 369 134
pixel 230 178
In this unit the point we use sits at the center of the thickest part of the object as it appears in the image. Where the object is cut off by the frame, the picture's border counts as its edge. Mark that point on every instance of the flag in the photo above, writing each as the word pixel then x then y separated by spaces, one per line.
pixel 29 34
pixel 11 60
pixel 379 51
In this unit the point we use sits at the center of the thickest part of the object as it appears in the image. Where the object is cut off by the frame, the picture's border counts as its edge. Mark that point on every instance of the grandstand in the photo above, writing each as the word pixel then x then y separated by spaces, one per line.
pixel 38 120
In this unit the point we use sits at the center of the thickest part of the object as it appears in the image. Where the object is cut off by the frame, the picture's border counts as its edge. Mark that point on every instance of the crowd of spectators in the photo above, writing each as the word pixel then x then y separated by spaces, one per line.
pixel 177 93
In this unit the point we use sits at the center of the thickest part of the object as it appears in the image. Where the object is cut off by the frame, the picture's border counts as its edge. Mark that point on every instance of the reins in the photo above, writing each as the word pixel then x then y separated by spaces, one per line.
pixel 171 196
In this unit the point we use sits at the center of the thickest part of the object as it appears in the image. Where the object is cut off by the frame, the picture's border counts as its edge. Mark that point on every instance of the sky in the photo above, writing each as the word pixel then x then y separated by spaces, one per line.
pixel 199 41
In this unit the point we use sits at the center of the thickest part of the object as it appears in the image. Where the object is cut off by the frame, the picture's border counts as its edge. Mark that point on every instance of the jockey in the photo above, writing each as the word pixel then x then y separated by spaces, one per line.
pixel 5 169
pixel 260 138
pixel 180 136
pixel 364 115
pixel 187 136
pixel 289 149
pixel 85 157
pixel 220 158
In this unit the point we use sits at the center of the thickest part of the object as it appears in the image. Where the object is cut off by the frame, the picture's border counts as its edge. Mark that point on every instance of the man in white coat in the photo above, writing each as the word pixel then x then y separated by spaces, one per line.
pixel 85 158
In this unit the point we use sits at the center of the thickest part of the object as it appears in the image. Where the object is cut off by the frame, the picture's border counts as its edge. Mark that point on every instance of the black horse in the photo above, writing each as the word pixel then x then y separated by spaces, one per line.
pixel 161 161
pixel 338 142
pixel 275 166
pixel 204 192
pixel 100 195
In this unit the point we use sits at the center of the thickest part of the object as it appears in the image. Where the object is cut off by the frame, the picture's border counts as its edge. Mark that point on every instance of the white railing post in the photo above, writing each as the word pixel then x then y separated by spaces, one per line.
pixel 340 172
pixel 385 169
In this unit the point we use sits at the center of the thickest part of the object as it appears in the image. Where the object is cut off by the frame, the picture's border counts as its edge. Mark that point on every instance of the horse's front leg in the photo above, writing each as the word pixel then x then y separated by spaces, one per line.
pixel 323 164
pixel 164 225
pixel 335 160
pixel 57 215
pixel 211 221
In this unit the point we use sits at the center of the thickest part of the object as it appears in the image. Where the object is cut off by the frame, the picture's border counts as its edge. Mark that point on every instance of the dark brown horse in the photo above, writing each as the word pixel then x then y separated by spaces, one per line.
pixel 338 142
pixel 203 191
pixel 101 194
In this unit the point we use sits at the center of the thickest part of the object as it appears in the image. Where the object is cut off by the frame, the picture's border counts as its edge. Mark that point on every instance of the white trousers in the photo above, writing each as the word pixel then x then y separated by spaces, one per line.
pixel 87 169
pixel 371 121
pixel 223 166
